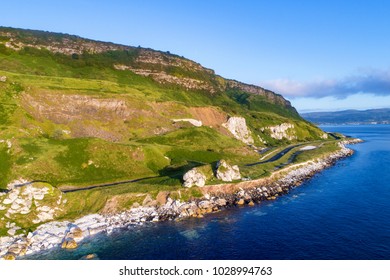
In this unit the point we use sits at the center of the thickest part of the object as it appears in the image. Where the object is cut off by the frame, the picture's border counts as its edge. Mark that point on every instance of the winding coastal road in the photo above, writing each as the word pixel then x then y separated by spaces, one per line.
pixel 272 159
pixel 275 157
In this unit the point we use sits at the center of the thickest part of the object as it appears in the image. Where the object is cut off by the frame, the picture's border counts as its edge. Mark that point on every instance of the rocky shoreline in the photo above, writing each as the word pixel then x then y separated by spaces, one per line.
pixel 67 234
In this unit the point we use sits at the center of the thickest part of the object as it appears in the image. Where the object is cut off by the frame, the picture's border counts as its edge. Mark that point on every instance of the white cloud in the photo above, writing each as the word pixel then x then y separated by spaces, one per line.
pixel 370 82
pixel 356 101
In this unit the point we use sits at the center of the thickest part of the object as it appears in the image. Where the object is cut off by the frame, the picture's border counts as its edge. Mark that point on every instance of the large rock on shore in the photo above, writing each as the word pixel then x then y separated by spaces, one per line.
pixel 69 244
pixel 194 177
pixel 9 257
pixel 227 173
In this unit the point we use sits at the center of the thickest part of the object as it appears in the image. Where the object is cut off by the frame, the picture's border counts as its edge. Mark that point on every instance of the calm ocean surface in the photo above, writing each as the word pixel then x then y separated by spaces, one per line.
pixel 341 213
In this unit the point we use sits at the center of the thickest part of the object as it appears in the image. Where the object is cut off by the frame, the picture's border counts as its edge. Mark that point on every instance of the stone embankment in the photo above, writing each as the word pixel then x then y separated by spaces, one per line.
pixel 68 234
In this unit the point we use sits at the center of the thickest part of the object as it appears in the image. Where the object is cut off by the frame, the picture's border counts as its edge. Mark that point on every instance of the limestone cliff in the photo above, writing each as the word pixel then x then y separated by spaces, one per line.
pixel 163 67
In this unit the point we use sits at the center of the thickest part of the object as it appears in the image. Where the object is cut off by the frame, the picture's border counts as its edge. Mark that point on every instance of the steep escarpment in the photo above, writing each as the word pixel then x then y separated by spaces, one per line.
pixel 162 67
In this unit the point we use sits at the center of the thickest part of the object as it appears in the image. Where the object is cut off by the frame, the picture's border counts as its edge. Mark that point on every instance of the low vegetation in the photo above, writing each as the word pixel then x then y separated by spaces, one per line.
pixel 71 118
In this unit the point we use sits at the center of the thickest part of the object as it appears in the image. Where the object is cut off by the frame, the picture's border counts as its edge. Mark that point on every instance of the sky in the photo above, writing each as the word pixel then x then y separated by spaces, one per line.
pixel 320 55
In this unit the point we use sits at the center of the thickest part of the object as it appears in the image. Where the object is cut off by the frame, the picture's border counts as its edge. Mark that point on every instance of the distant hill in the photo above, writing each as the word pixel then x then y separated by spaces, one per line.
pixel 373 116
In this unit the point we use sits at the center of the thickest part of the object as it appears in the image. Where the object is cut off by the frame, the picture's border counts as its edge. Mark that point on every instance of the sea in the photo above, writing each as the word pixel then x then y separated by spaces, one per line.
pixel 341 213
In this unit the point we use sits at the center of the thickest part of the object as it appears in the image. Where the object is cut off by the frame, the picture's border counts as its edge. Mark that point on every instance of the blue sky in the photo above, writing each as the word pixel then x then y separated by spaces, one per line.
pixel 321 55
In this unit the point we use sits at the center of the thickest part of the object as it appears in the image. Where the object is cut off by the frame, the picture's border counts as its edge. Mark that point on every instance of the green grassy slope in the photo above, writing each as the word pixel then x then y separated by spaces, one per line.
pixel 71 118
pixel 55 109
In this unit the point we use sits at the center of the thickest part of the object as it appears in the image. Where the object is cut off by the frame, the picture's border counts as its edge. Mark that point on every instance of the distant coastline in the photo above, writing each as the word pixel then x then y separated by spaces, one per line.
pixel 349 117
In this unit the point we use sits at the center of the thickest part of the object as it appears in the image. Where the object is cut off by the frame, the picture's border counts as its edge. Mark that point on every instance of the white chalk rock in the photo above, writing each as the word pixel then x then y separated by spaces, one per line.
pixel 227 173
pixel 194 177
pixel 237 126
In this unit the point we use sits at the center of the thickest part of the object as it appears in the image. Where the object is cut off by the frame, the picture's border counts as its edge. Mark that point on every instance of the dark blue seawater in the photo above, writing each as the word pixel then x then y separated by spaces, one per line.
pixel 341 213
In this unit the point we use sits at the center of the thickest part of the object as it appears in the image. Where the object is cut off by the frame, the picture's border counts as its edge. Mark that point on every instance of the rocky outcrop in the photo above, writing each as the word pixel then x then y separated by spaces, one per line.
pixel 69 244
pixel 74 107
pixel 55 42
pixel 269 95
pixel 282 131
pixel 165 78
pixel 237 126
pixel 160 66
pixel 227 173
pixel 18 182
pixel 194 177
pixel 37 202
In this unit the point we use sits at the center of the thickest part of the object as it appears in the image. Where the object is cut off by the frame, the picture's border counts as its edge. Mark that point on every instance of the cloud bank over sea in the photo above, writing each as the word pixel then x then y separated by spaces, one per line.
pixel 373 82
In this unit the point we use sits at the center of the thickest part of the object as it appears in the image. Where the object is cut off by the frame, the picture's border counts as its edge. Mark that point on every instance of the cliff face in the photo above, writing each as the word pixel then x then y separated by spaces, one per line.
pixel 162 67
pixel 269 95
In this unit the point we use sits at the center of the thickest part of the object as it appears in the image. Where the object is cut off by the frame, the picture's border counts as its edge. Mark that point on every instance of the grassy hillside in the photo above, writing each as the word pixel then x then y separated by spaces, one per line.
pixel 76 112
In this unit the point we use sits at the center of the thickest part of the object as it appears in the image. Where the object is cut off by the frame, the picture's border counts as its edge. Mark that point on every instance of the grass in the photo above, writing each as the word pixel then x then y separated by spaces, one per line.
pixel 95 199
pixel 5 165
pixel 87 161
pixel 106 145
pixel 265 169
pixel 83 161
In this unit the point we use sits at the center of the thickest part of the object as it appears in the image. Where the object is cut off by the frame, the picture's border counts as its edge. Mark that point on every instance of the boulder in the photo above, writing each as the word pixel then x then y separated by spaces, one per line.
pixel 221 202
pixel 3 79
pixel 75 233
pixel 205 204
pixel 69 244
pixel 18 249
pixel 90 257
pixel 9 257
pixel 227 173
pixel 240 202
pixel 194 177
pixel 148 201
pixel 7 201
pixel 162 197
